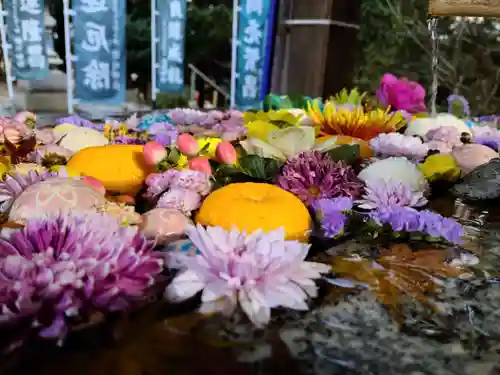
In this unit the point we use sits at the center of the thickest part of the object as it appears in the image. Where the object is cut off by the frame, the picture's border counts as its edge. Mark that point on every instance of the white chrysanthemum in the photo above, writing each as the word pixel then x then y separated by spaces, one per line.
pixel 395 169
pixel 76 139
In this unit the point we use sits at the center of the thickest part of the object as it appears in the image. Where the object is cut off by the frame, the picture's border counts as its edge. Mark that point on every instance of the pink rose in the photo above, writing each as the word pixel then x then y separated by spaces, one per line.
pixel 401 94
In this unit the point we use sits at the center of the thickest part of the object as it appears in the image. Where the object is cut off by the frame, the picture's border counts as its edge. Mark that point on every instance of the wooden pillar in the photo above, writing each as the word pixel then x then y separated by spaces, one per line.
pixel 315 59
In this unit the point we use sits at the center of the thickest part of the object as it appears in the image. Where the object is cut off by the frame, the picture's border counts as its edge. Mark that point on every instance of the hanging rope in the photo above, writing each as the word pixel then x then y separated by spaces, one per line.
pixel 432 25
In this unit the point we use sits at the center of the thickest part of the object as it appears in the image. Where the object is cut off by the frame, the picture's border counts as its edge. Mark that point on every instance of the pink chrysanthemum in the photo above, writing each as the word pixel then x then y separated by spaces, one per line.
pixel 62 269
pixel 395 144
pixel 381 194
pixel 258 272
pixel 313 175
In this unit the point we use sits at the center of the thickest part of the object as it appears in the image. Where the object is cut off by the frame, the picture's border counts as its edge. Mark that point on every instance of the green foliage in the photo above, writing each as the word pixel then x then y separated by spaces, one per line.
pixel 394 38
pixel 166 100
pixel 252 168
pixel 347 153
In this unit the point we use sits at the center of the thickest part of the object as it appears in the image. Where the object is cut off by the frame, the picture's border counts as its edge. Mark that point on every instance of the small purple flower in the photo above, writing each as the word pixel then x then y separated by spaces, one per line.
pixel 339 204
pixel 163 133
pixel 494 144
pixel 331 214
pixel 127 140
pixel 451 231
pixel 333 224
pixel 410 220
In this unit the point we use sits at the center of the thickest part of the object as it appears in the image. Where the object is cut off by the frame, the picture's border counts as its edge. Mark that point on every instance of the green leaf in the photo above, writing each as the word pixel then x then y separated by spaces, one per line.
pixel 173 156
pixel 260 168
pixel 347 153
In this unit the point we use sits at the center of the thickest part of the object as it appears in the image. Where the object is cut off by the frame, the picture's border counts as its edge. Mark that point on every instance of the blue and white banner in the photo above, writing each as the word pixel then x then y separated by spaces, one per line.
pixel 99 48
pixel 26 34
pixel 170 32
pixel 253 29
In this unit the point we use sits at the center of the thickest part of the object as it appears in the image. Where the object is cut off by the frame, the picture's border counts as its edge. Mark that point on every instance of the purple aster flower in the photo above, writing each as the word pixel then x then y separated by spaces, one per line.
pixel 426 222
pixel 331 214
pixel 383 193
pixel 452 231
pixel 333 224
pixel 397 217
pixel 494 144
pixel 340 204
pixel 164 133
pixel 313 175
pixel 63 268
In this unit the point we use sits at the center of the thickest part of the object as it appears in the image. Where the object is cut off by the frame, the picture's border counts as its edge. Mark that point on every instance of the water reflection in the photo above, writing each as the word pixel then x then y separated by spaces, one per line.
pixel 350 329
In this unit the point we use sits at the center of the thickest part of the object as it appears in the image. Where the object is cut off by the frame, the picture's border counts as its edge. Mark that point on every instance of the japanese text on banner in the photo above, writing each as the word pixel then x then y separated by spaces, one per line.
pixel 26 34
pixel 252 37
pixel 99 45
pixel 170 53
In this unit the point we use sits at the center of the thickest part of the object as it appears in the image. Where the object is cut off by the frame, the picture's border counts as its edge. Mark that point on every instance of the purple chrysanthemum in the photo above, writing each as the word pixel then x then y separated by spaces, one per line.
pixel 312 175
pixel 62 269
pixel 331 214
pixel 14 184
pixel 390 193
pixel 410 220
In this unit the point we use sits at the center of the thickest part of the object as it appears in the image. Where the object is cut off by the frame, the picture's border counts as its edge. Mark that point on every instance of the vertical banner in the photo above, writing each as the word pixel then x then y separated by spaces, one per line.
pixel 268 57
pixel 253 28
pixel 26 34
pixel 170 31
pixel 99 45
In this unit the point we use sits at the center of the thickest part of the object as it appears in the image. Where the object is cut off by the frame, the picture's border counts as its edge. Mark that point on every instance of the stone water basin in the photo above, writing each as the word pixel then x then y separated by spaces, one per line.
pixel 449 329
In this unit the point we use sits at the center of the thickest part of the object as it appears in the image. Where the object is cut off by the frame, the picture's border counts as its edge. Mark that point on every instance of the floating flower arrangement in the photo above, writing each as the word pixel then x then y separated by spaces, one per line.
pixel 93 215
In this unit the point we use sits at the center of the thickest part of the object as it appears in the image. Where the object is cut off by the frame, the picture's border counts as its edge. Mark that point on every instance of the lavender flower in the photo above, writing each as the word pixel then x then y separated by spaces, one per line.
pixel 80 121
pixel 65 267
pixel 486 136
pixel 407 219
pixel 458 100
pixel 332 215
pixel 312 176
pixel 226 125
pixel 383 193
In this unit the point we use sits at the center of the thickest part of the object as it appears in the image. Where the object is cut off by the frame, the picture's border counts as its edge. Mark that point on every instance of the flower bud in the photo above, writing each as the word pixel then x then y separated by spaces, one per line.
pixel 200 164
pixel 226 153
pixel 187 144
pixel 154 153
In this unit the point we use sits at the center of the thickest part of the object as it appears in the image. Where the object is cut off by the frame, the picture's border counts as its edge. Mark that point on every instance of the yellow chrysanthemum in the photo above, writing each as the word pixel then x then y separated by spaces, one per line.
pixel 354 121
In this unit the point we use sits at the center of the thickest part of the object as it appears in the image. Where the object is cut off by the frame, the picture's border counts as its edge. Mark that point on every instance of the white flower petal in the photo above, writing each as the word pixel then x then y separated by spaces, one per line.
pixel 184 286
